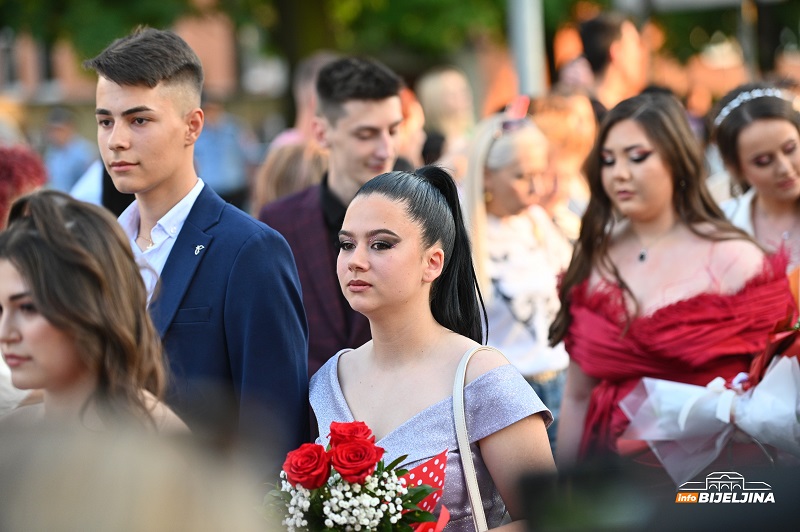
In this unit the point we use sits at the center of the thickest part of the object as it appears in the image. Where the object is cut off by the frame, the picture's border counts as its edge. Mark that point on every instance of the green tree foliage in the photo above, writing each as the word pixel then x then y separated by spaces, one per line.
pixel 681 29
pixel 89 24
pixel 430 29
pixel 295 27
pixel 419 26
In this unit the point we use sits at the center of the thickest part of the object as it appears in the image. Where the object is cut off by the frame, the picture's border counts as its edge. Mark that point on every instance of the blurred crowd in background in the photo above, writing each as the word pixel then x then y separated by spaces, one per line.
pixel 519 161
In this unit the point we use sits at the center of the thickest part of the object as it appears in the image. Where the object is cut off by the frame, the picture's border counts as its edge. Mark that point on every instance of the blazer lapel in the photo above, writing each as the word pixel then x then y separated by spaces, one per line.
pixel 190 248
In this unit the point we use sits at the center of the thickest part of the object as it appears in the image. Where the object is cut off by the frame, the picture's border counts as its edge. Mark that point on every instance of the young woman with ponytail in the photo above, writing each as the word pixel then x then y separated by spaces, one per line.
pixel 405 263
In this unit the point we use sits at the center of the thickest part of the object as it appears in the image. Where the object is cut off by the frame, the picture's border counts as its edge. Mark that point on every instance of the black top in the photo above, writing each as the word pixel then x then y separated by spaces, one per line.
pixel 333 211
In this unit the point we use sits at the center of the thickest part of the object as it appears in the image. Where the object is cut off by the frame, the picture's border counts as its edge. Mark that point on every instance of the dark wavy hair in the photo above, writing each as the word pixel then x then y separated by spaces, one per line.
pixel 431 200
pixel 726 133
pixel 83 278
pixel 664 121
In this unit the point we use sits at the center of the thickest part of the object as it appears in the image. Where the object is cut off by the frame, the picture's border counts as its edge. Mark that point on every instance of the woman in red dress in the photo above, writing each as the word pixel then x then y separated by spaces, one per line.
pixel 660 284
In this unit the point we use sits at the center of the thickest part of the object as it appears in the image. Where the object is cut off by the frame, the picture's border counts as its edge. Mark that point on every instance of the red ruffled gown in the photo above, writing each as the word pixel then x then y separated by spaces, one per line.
pixel 691 341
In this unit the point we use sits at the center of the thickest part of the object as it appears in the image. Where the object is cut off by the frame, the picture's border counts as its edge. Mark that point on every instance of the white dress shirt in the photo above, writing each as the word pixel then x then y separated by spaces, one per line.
pixel 152 260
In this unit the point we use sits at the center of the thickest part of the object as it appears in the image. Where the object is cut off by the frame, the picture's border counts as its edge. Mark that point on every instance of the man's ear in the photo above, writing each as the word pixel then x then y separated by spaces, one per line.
pixel 194 120
pixel 434 264
pixel 320 128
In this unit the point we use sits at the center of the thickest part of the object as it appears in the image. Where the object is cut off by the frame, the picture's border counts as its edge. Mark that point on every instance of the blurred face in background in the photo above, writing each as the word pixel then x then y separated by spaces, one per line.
pixel 446 97
pixel 456 95
pixel 412 136
pixel 517 173
pixel 362 143
pixel 631 58
pixel 769 158
pixel 60 133
pixel 583 121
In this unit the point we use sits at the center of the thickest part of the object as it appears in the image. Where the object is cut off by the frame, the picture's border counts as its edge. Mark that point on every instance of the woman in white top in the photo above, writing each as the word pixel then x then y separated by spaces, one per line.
pixel 519 252
pixel 74 320
pixel 757 130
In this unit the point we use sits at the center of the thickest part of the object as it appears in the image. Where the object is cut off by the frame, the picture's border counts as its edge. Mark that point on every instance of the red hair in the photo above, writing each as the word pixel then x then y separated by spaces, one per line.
pixel 21 171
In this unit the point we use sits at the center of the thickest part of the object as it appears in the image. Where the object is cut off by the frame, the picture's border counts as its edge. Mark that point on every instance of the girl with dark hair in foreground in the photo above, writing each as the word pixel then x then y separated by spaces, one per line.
pixel 405 263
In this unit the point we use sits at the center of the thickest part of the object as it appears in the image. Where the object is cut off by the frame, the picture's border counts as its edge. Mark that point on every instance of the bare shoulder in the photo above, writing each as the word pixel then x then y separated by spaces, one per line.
pixel 734 262
pixel 483 361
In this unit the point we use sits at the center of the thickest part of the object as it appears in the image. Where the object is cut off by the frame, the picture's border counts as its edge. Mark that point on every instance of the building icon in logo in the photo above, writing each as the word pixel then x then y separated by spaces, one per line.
pixel 724 487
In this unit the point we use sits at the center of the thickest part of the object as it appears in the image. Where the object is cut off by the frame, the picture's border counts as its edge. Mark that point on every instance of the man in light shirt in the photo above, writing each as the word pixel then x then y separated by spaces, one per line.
pixel 224 289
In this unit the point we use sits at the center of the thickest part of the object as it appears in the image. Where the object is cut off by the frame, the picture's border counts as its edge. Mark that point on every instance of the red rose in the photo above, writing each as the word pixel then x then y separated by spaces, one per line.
pixel 344 432
pixel 355 460
pixel 308 465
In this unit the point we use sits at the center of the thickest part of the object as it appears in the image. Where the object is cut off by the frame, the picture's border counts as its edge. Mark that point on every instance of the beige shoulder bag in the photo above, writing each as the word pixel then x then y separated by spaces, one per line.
pixel 463 442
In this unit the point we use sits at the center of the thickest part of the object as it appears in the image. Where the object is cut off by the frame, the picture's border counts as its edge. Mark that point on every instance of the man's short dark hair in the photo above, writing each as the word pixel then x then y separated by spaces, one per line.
pixel 354 78
pixel 597 35
pixel 148 57
pixel 307 70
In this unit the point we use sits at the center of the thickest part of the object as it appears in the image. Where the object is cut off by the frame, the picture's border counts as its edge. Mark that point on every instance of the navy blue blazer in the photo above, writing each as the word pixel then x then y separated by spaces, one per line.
pixel 230 312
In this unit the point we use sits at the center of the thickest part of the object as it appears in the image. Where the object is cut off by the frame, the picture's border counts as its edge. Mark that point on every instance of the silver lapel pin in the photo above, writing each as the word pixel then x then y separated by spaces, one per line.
pixel 198 248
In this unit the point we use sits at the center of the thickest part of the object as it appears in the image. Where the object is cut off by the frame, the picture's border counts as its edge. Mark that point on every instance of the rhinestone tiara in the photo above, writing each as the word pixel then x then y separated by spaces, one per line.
pixel 746 97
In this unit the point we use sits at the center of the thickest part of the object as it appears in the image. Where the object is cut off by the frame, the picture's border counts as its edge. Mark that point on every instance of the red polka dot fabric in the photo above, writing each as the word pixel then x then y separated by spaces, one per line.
pixel 430 473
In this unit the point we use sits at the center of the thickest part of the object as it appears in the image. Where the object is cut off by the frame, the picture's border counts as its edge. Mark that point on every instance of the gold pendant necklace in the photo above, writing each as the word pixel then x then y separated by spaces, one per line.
pixel 150 243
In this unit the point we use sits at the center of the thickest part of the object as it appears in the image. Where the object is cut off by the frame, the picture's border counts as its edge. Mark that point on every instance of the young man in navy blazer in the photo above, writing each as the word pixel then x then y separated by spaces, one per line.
pixel 225 292
pixel 358 116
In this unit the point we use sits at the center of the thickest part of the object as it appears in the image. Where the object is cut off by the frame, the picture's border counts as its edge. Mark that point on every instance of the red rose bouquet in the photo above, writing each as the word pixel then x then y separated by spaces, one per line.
pixel 348 487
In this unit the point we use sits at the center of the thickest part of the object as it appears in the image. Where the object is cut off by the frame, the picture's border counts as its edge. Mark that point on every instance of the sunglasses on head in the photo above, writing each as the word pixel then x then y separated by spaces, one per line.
pixel 516 116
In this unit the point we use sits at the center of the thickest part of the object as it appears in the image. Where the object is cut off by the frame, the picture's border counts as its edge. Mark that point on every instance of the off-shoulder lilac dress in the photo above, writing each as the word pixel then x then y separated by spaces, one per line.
pixel 493 401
